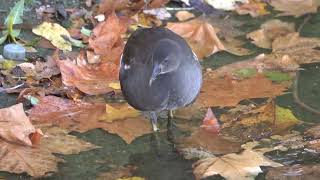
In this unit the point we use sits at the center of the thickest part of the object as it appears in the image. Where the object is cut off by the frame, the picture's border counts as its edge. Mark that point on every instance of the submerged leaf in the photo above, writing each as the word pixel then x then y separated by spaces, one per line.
pixel 277 76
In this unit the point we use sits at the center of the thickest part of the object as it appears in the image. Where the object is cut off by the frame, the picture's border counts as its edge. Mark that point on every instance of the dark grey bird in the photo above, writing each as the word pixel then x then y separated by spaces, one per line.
pixel 159 71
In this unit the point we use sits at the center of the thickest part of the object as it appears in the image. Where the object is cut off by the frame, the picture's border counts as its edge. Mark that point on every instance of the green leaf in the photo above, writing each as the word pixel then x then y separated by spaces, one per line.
pixel 76 43
pixel 277 76
pixel 245 72
pixel 3 38
pixel 85 31
pixel 16 13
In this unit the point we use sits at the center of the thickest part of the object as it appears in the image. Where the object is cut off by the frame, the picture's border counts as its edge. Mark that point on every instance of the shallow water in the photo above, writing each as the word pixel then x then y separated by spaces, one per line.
pixel 161 161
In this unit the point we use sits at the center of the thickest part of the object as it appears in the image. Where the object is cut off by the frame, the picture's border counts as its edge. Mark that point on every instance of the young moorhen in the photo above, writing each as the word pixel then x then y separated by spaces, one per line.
pixel 159 71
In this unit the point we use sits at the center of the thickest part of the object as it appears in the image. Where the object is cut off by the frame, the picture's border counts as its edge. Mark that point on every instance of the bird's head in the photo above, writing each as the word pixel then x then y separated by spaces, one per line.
pixel 165 58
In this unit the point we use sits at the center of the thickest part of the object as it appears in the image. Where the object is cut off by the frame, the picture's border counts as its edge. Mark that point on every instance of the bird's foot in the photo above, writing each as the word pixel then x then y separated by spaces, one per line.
pixel 154 122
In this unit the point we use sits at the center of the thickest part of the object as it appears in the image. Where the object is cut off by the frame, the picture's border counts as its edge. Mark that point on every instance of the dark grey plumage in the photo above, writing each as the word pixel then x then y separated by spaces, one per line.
pixel 159 71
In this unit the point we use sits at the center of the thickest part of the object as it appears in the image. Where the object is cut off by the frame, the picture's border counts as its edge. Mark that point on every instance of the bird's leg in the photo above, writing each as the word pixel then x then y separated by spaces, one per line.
pixel 170 117
pixel 153 117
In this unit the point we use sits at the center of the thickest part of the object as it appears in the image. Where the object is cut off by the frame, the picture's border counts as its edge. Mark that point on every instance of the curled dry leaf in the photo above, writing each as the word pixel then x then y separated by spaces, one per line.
pixel 269 31
pixel 295 7
pixel 106 37
pixel 91 79
pixel 200 35
pixel 15 126
pixel 245 165
pixel 81 117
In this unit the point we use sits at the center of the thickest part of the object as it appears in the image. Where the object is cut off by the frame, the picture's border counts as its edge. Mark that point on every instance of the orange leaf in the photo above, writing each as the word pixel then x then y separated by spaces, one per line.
pixel 200 35
pixel 210 123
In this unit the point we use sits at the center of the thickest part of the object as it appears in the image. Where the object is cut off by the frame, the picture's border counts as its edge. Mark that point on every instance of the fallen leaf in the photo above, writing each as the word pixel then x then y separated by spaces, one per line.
pixel 210 123
pixel 15 126
pixel 54 32
pixel 245 165
pixel 257 123
pixel 228 92
pixel 34 161
pixel 91 79
pixel 159 13
pixel 37 161
pixel 295 7
pixel 127 7
pixel 255 8
pixel 120 172
pixel 184 15
pixel 132 178
pixel 81 117
pixel 209 142
pixel 314 132
pixel 121 113
pixel 234 46
pixel 200 35
pixel 106 39
pixel 297 171
pixel 269 31
pixel 300 49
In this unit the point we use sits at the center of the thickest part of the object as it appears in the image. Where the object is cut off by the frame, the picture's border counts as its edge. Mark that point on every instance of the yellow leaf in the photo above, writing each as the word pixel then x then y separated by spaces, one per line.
pixel 123 112
pixel 115 85
pixel 54 32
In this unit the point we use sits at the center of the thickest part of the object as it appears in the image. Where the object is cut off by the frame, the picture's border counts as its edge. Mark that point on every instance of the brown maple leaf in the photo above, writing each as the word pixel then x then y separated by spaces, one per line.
pixel 91 79
pixel 106 38
pixel 200 35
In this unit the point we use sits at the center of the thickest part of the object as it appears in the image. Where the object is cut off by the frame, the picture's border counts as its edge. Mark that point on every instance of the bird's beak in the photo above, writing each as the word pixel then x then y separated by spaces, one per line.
pixel 156 71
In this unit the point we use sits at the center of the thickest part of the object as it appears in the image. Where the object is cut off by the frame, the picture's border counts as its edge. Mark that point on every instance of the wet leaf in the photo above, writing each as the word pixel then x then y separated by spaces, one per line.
pixel 15 126
pixel 57 140
pixel 38 160
pixel 54 33
pixel 224 91
pixel 209 142
pixel 269 31
pixel 34 161
pixel 200 35
pixel 257 123
pixel 234 46
pixel 245 72
pixel 314 131
pixel 295 7
pixel 131 178
pixel 277 76
pixel 245 165
pixel 120 172
pixel 81 117
pixel 121 113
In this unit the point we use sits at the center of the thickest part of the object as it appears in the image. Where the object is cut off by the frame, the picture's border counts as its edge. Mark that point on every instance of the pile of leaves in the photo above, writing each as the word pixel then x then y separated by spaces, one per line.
pixel 76 87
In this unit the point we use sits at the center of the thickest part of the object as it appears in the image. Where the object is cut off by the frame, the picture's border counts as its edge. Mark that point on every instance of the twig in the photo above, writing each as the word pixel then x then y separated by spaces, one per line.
pixel 304 22
pixel 12 88
pixel 179 9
